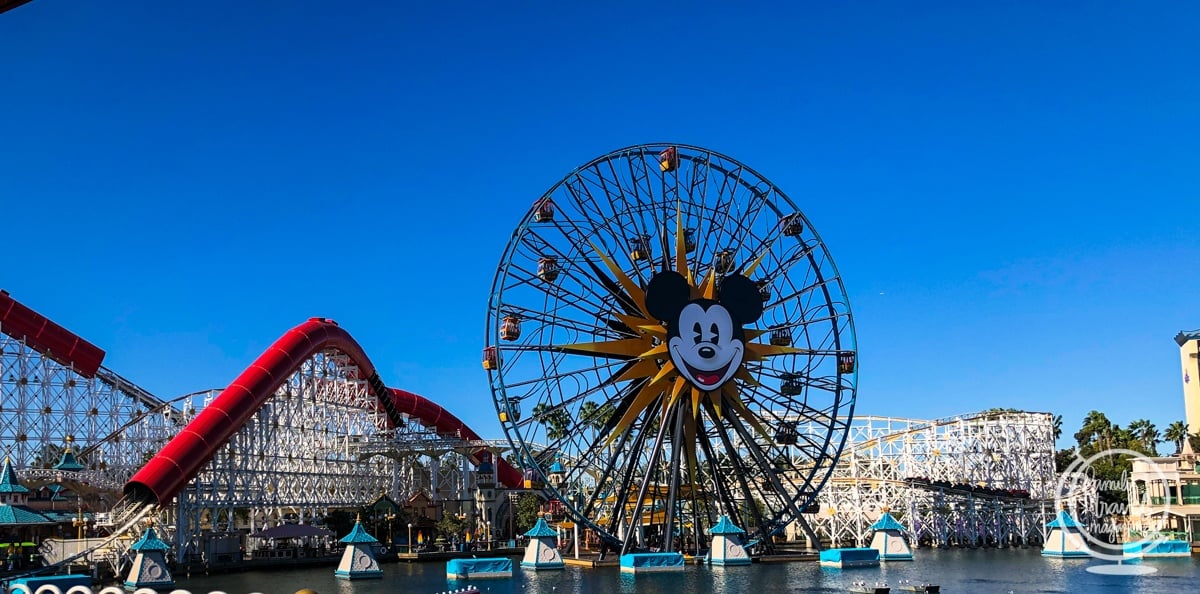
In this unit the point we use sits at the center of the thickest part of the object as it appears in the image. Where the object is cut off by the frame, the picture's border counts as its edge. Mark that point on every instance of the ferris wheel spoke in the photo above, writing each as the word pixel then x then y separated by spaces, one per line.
pixel 741 473
pixel 589 350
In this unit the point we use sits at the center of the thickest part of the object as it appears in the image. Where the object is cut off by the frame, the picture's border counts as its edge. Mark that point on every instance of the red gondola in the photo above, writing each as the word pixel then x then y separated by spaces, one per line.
pixel 545 211
pixel 510 328
pixel 668 160
pixel 548 268
pixel 491 359
pixel 846 363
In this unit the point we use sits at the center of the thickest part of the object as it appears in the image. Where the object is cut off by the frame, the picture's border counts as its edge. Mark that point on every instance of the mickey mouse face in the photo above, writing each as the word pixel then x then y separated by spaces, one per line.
pixel 706 352
pixel 704 337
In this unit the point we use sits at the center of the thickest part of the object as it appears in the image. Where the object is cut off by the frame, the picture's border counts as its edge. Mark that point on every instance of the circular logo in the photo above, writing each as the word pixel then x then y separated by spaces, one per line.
pixel 1101 539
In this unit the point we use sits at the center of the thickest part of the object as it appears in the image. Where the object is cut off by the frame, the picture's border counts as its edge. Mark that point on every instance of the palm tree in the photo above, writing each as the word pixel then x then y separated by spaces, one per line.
pixel 1095 425
pixel 1057 427
pixel 1176 432
pixel 1145 433
pixel 556 420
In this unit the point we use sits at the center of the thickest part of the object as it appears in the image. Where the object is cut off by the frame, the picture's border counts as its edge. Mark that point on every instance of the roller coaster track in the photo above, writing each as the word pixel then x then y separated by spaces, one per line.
pixel 196 443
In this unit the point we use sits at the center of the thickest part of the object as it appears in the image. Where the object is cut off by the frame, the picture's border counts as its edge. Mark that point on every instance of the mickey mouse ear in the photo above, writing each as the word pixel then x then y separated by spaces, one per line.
pixel 666 295
pixel 741 297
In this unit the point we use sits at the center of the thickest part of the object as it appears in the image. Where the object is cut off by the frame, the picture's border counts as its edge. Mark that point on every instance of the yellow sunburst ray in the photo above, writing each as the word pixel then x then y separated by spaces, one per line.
pixel 634 291
pixel 681 263
pixel 676 389
pixel 654 330
pixel 643 368
pixel 735 403
pixel 634 322
pixel 625 347
pixel 754 265
pixel 710 285
pixel 746 377
pixel 714 399
pixel 644 397
pixel 756 350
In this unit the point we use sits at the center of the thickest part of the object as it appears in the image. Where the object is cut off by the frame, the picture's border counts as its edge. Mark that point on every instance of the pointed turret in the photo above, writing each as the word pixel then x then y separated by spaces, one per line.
pixel 727 546
pixel 68 462
pixel 149 568
pixel 887 537
pixel 541 552
pixel 358 561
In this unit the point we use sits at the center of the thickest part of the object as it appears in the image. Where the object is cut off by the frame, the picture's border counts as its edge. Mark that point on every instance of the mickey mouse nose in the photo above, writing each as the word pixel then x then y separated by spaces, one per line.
pixel 707 352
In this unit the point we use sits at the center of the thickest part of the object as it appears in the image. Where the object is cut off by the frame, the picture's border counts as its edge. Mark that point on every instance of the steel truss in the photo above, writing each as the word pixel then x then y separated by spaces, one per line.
pixel 111 424
pixel 321 442
pixel 985 479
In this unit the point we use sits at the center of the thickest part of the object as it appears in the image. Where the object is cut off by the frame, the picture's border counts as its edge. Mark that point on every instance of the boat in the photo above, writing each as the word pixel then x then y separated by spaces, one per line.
pixel 466 590
pixel 865 588
pixel 907 586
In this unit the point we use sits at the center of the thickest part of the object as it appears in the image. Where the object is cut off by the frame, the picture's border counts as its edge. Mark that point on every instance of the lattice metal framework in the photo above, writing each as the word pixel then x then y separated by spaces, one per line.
pixel 981 479
pixel 321 442
pixel 45 406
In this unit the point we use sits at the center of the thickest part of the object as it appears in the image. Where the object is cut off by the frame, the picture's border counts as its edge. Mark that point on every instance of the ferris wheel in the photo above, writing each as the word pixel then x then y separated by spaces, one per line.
pixel 669 341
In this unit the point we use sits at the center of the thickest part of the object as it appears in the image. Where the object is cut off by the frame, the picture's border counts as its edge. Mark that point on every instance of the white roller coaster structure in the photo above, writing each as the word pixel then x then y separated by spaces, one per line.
pixel 984 479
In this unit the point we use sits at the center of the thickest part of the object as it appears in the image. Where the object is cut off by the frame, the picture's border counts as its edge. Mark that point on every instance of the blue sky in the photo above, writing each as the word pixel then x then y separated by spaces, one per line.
pixel 1009 190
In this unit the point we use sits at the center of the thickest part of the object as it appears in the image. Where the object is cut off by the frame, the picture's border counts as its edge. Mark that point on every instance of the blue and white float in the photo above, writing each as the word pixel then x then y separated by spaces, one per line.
pixel 358 561
pixel 887 537
pixel 636 563
pixel 150 568
pixel 727 546
pixel 541 552
pixel 1066 539
pixel 843 558
pixel 492 567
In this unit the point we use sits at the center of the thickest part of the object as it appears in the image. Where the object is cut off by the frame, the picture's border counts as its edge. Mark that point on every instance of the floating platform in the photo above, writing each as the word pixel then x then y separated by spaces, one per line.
pixel 62 582
pixel 651 562
pixel 843 558
pixel 1150 549
pixel 461 569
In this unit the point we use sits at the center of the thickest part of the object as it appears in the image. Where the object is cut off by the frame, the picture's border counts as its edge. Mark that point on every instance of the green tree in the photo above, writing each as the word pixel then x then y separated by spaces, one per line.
pixel 556 420
pixel 1057 427
pixel 450 526
pixel 1096 428
pixel 1176 432
pixel 1146 434
pixel 528 506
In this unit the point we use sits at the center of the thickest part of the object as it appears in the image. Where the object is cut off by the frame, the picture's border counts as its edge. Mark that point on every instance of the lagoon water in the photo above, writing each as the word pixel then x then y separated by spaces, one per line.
pixel 968 571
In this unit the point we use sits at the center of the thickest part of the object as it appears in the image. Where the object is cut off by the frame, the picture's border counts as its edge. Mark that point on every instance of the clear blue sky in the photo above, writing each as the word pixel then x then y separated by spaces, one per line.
pixel 1009 190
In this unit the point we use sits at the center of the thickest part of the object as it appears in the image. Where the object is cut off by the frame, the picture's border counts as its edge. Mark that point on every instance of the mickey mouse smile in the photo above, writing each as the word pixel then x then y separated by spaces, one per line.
pixel 704 337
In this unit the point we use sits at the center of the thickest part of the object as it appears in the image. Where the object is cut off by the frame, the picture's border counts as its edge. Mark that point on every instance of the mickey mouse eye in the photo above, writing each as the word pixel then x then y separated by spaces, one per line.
pixel 716 334
pixel 698 331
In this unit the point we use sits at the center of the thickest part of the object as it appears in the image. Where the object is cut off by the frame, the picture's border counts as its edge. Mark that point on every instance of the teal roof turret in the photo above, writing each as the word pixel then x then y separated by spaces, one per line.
pixel 8 479
pixel 540 530
pixel 150 542
pixel 725 526
pixel 68 462
pixel 358 534
pixel 887 522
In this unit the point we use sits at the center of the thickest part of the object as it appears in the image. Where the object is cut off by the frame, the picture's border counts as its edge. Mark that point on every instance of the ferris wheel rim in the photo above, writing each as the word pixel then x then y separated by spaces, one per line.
pixel 848 334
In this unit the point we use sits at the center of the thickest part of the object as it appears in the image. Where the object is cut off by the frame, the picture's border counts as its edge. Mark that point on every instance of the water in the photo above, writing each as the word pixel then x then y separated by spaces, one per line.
pixel 968 571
